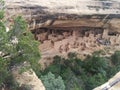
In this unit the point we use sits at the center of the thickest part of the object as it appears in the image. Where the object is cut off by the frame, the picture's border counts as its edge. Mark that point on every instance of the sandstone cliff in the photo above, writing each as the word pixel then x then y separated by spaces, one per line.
pixel 71 6
pixel 27 78
pixel 37 12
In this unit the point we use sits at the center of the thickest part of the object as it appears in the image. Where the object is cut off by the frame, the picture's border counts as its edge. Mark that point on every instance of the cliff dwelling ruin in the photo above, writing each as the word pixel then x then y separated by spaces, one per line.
pixel 89 29
pixel 62 32
pixel 82 36
pixel 68 35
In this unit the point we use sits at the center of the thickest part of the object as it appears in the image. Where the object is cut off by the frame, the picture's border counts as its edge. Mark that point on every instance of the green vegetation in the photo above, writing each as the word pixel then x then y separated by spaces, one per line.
pixel 86 74
pixel 116 58
pixel 16 46
pixel 52 83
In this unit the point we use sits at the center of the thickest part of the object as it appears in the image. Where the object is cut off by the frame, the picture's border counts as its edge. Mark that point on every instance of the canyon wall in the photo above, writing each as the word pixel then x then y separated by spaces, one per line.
pixel 37 12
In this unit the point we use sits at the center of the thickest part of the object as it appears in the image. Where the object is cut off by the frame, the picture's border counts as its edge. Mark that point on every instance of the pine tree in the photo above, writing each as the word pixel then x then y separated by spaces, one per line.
pixel 52 83
pixel 16 47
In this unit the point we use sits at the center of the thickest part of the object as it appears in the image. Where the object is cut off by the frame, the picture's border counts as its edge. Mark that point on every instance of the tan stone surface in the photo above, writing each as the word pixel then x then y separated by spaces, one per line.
pixel 67 6
pixel 27 78
pixel 46 45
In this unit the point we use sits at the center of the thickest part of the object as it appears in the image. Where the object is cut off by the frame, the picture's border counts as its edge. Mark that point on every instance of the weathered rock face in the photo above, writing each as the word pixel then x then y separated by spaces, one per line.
pixel 69 25
pixel 112 84
pixel 72 6
pixel 115 25
pixel 36 12
pixel 27 78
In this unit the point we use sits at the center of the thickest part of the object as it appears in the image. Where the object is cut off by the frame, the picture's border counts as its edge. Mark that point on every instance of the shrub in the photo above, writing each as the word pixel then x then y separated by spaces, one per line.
pixel 94 81
pixel 95 65
pixel 115 58
pixel 52 83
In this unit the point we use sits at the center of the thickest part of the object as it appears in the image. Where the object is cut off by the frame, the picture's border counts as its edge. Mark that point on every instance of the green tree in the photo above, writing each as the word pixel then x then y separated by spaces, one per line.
pixel 94 81
pixel 16 46
pixel 2 9
pixel 95 64
pixel 112 70
pixel 52 83
pixel 115 58
pixel 72 82
pixel 3 71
